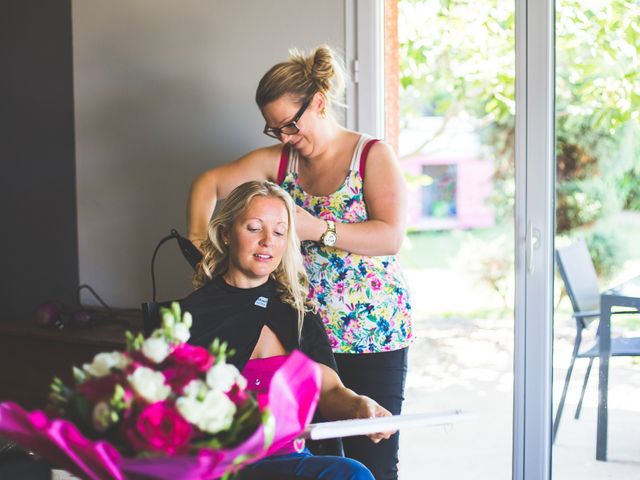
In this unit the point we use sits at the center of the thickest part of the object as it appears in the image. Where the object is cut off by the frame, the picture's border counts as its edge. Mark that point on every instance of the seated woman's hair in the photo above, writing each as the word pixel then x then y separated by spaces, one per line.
pixel 290 276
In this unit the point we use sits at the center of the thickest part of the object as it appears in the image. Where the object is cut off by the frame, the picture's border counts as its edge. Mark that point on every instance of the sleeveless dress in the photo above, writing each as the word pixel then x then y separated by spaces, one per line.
pixel 363 300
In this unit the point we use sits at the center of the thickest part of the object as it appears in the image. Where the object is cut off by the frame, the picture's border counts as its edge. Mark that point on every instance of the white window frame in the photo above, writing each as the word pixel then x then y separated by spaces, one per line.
pixel 534 208
pixel 364 36
pixel 534 245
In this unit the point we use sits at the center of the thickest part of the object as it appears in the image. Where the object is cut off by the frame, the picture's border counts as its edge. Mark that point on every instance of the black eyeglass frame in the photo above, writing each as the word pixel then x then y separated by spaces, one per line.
pixel 276 132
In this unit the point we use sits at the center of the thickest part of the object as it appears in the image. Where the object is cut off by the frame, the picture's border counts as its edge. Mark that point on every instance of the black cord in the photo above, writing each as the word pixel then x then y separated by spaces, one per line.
pixel 111 315
pixel 174 234
pixel 88 287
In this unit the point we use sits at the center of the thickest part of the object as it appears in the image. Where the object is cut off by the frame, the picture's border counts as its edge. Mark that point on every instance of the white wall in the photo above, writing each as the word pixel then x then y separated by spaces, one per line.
pixel 163 91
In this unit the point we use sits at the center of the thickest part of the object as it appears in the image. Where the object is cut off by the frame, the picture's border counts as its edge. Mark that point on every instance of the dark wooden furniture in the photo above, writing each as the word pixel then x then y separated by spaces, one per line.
pixel 30 356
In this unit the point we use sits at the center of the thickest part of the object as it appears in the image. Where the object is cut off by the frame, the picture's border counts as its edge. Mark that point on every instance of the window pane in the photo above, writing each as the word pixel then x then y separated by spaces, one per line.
pixel 597 185
pixel 456 130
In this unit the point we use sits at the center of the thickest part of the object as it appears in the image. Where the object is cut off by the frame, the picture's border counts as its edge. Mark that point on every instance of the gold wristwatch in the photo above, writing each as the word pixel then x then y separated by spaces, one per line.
pixel 329 237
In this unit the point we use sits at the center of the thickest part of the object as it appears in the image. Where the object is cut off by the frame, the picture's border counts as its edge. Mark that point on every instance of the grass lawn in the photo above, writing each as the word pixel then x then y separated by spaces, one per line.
pixel 436 249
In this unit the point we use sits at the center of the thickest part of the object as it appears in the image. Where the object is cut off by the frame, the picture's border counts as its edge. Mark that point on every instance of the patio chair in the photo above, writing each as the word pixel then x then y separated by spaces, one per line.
pixel 581 283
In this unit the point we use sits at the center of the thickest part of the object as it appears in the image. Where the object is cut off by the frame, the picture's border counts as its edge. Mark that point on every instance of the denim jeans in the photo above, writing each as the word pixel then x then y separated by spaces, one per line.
pixel 380 376
pixel 307 466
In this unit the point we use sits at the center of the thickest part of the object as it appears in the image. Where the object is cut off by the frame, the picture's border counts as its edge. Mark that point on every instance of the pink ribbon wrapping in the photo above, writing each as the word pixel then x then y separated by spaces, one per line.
pixel 292 399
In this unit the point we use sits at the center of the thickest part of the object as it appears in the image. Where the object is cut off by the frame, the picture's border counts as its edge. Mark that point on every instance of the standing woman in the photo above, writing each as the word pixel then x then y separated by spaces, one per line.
pixel 351 209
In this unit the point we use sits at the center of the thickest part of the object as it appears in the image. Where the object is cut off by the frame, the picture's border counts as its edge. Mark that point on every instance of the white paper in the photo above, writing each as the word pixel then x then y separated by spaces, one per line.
pixel 365 426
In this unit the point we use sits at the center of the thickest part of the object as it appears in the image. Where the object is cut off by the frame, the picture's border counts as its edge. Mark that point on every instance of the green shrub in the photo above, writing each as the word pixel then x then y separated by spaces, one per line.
pixel 629 186
pixel 580 203
pixel 606 250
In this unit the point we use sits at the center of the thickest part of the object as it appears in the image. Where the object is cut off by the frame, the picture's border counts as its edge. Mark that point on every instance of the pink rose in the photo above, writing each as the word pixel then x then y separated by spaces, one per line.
pixel 159 428
pixel 237 395
pixel 137 360
pixel 179 376
pixel 99 388
pixel 191 355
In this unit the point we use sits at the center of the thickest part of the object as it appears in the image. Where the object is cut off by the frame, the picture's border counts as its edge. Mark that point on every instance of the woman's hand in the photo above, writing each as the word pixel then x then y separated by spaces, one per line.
pixel 309 227
pixel 368 408
pixel 386 200
pixel 337 402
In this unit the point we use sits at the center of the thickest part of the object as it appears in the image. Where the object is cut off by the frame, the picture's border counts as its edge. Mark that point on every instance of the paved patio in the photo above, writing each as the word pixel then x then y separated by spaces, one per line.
pixel 467 364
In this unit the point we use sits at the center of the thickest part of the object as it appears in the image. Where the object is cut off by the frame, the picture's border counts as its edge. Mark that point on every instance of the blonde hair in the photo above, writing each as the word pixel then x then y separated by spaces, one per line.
pixel 302 76
pixel 289 276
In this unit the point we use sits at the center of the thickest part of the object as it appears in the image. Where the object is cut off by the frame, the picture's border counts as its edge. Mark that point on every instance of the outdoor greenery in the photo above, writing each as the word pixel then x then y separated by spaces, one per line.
pixel 485 255
pixel 464 63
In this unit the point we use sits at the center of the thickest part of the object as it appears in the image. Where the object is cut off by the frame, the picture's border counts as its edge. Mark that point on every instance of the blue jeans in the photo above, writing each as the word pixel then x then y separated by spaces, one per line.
pixel 305 465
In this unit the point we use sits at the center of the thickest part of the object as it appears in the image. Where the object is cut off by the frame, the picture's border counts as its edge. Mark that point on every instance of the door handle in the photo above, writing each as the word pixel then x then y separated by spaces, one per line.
pixel 533 243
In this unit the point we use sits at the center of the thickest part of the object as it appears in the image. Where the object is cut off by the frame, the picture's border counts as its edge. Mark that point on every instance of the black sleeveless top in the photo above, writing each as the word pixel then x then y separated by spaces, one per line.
pixel 237 315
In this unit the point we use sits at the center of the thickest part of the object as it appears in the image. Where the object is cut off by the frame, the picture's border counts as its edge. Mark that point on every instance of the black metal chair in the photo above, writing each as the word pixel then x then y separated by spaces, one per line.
pixel 581 283
pixel 151 316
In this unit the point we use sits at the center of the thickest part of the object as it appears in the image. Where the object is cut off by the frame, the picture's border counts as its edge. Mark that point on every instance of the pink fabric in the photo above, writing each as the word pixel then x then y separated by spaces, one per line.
pixel 259 372
pixel 284 160
pixel 292 398
pixel 364 155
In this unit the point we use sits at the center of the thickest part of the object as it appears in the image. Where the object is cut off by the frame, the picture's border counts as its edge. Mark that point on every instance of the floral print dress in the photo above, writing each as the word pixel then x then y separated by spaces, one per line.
pixel 362 300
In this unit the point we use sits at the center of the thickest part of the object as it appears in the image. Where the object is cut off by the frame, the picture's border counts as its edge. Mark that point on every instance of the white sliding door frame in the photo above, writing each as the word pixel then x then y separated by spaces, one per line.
pixel 365 66
pixel 534 238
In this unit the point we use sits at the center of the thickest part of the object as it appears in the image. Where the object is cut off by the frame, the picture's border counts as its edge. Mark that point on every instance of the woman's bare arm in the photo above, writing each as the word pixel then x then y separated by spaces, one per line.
pixel 386 198
pixel 215 184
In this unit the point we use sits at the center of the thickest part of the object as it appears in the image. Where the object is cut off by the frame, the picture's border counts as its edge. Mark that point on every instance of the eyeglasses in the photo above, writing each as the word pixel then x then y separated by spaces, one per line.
pixel 290 128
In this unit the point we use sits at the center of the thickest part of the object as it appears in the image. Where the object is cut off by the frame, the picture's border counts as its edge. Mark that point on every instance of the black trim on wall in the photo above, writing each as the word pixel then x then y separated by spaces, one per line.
pixel 38 214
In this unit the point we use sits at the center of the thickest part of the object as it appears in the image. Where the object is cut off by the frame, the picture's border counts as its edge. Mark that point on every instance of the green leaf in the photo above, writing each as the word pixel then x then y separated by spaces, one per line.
pixel 269 425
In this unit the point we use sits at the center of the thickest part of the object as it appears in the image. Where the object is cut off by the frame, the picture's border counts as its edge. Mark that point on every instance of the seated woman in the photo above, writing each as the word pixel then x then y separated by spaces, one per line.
pixel 252 294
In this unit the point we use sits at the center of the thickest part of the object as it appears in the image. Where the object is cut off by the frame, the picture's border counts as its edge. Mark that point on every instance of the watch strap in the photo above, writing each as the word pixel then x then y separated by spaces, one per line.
pixel 331 228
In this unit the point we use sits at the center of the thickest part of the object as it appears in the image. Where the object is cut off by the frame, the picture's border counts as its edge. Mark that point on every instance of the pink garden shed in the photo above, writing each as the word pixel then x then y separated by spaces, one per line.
pixel 450 178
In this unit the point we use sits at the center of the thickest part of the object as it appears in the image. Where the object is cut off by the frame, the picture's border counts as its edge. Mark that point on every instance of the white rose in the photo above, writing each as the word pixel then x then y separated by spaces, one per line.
pixel 149 384
pixel 193 388
pixel 181 332
pixel 103 363
pixel 190 408
pixel 155 349
pixel 214 414
pixel 223 376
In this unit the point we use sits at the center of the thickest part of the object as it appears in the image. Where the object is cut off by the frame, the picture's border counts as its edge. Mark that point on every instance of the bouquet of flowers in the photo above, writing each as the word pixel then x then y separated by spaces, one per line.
pixel 165 409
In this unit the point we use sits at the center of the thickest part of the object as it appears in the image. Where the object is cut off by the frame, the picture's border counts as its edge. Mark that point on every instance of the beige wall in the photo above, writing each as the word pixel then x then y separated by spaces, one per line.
pixel 163 90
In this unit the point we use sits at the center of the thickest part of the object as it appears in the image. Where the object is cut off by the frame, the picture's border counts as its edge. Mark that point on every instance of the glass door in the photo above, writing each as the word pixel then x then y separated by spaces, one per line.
pixel 585 116
pixel 598 215
pixel 450 112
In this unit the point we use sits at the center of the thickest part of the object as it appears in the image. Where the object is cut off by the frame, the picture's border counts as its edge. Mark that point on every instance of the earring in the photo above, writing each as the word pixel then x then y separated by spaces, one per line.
pixel 323 112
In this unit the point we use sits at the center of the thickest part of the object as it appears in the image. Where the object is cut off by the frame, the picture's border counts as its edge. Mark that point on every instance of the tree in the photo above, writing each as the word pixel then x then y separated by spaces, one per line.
pixel 458 56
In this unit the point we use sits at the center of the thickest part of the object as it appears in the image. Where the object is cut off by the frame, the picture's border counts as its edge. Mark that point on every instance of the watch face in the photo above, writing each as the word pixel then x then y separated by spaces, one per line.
pixel 329 239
